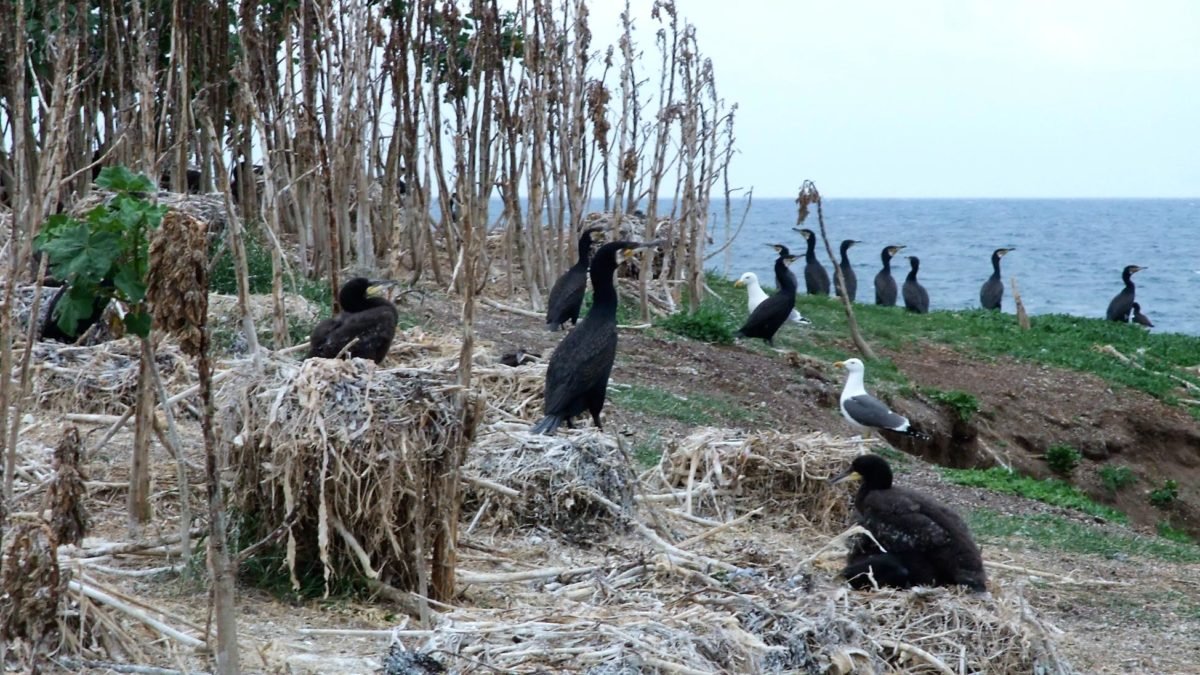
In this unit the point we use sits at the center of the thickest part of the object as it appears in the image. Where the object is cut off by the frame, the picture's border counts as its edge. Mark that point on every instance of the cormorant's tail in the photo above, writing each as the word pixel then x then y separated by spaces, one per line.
pixel 547 426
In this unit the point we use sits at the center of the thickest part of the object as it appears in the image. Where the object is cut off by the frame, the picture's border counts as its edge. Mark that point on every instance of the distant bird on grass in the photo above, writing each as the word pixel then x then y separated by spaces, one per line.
pixel 885 285
pixel 365 327
pixel 924 543
pixel 992 291
pixel 755 295
pixel 566 297
pixel 771 313
pixel 578 372
pixel 1122 303
pixel 848 269
pixel 816 279
pixel 916 298
pixel 1139 318
pixel 864 411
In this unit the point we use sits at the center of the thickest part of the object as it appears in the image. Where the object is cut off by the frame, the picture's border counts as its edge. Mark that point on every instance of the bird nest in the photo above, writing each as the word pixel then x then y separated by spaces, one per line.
pixel 722 469
pixel 358 466
pixel 209 208
pixel 578 485
pixel 100 378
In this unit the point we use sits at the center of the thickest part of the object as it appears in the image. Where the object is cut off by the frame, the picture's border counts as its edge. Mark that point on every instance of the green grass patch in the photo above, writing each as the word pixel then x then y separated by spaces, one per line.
pixel 648 451
pixel 691 409
pixel 963 404
pixel 1117 478
pixel 1056 533
pixel 711 323
pixel 1165 494
pixel 1051 491
pixel 1167 531
pixel 1063 459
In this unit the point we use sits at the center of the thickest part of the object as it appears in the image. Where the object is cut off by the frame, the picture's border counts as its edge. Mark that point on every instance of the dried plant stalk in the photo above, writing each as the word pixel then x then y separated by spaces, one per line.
pixel 66 495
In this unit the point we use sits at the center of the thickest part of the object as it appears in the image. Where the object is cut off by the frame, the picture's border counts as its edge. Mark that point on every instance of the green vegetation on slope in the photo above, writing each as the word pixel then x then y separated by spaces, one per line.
pixel 1055 533
pixel 691 409
pixel 1051 491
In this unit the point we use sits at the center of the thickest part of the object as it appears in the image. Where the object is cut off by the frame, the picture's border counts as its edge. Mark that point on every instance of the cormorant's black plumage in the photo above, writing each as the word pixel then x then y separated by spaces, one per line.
pixel 992 291
pixel 1122 304
pixel 52 331
pixel 816 279
pixel 848 270
pixel 916 298
pixel 1139 318
pixel 577 375
pixel 784 253
pixel 566 297
pixel 369 318
pixel 885 285
pixel 771 313
pixel 926 543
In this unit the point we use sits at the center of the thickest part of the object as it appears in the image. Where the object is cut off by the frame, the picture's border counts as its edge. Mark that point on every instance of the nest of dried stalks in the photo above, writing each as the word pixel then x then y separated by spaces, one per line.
pixel 358 464
pixel 209 208
pixel 177 284
pixel 101 378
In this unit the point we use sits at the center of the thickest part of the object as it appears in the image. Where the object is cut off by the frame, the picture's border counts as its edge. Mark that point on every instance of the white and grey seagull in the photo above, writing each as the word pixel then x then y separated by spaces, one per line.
pixel 864 411
pixel 755 295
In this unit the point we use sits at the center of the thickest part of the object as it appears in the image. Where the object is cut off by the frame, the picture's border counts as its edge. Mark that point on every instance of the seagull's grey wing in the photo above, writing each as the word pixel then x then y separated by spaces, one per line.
pixel 871 412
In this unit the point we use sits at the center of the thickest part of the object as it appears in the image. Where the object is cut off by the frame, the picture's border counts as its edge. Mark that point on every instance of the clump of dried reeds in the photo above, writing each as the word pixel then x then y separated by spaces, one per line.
pixel 177 284
pixel 209 208
pixel 66 493
pixel 101 378
pixel 32 586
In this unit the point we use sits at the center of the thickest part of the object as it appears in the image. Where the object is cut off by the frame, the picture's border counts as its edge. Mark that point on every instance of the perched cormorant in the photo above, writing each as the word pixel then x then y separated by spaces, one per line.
pixel 926 543
pixel 816 279
pixel 916 298
pixel 52 331
pixel 1140 318
pixel 1122 304
pixel 755 295
pixel 864 411
pixel 766 319
pixel 885 285
pixel 577 376
pixel 365 316
pixel 847 270
pixel 784 253
pixel 992 290
pixel 567 295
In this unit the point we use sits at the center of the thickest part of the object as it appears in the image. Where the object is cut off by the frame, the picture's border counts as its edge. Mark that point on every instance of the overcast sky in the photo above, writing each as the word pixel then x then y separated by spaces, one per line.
pixel 954 98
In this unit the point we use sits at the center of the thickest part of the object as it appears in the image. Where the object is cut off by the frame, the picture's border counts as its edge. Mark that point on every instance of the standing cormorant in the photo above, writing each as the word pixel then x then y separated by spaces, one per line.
pixel 1140 318
pixel 1122 304
pixel 864 411
pixel 916 298
pixel 816 279
pixel 566 297
pixel 365 317
pixel 992 290
pixel 766 319
pixel 577 376
pixel 50 328
pixel 755 295
pixel 848 270
pixel 885 285
pixel 926 543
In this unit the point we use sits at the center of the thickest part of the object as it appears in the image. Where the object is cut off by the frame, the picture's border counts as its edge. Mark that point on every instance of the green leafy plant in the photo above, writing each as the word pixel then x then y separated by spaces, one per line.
pixel 1167 531
pixel 1063 459
pixel 1050 490
pixel 1165 495
pixel 106 255
pixel 963 404
pixel 709 323
pixel 1116 478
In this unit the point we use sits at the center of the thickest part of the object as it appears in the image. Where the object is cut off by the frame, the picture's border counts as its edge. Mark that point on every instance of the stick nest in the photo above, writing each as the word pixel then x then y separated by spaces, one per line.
pixel 360 465
pixel 101 378
pixel 209 208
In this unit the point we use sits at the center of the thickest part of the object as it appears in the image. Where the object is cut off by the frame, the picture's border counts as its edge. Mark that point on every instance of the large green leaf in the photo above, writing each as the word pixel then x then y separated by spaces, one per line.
pixel 75 305
pixel 77 252
pixel 121 179
pixel 138 323
pixel 129 281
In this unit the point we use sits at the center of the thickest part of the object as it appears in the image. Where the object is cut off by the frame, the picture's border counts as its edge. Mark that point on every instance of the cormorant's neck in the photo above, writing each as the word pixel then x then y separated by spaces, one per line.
pixel 912 274
pixel 995 266
pixel 604 292
pixel 787 283
pixel 810 254
pixel 877 481
pixel 1127 276
pixel 363 303
pixel 887 261
pixel 585 248
pixel 845 261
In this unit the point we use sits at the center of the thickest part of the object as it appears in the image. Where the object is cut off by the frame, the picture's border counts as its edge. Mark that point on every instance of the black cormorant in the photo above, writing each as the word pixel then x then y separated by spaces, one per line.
pixel 916 298
pixel 864 411
pixel 783 253
pixel 770 314
pixel 566 297
pixel 1122 304
pixel 577 376
pixel 885 285
pixel 52 331
pixel 755 295
pixel 365 316
pixel 848 270
pixel 926 543
pixel 992 290
pixel 1140 318
pixel 816 279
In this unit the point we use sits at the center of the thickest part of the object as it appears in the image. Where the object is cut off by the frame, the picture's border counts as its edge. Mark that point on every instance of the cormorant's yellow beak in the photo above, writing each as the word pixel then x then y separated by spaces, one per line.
pixel 376 288
pixel 629 253
pixel 850 474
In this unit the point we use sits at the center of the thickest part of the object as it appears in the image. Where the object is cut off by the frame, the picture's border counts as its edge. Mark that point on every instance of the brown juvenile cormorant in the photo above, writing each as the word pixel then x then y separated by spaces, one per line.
pixel 848 270
pixel 51 330
pixel 577 376
pixel 885 285
pixel 916 298
pixel 816 279
pixel 924 542
pixel 1122 304
pixel 365 316
pixel 992 290
pixel 771 313
pixel 1139 318
pixel 566 297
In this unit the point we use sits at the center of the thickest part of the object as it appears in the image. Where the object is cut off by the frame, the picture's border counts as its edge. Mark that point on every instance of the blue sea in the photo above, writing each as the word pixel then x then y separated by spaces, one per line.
pixel 1068 258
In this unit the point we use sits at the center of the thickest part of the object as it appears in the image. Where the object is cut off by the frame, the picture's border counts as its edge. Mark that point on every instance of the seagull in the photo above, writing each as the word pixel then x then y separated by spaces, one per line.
pixel 755 295
pixel 864 411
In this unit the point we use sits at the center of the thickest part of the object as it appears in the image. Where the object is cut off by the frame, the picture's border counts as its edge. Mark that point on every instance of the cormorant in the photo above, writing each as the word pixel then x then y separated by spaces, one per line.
pixel 847 270
pixel 924 542
pixel 816 279
pixel 1122 304
pixel 864 411
pixel 766 319
pixel 1140 318
pixel 365 316
pixel 783 252
pixel 577 376
pixel 885 285
pixel 566 297
pixel 992 290
pixel 916 298
pixel 755 295
pixel 52 331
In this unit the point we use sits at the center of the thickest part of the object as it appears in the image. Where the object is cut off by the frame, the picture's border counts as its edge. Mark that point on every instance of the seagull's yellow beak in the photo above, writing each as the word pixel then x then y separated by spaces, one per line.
pixel 839 364
pixel 738 283
pixel 848 474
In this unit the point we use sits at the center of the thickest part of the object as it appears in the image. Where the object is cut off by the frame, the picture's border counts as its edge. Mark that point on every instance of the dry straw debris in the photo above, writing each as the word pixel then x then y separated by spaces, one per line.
pixel 177 285
pixel 32 586
pixel 101 378
pixel 66 494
